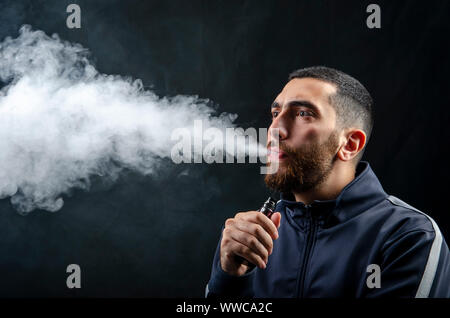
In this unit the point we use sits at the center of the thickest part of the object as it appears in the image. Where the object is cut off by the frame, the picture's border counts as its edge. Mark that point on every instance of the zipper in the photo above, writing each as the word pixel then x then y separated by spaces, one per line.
pixel 309 243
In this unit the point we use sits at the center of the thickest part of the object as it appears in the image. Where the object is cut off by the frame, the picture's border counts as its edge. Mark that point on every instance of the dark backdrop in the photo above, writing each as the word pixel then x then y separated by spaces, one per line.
pixel 157 236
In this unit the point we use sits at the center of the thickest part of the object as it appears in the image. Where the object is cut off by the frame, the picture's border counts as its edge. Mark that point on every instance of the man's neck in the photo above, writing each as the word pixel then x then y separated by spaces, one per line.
pixel 339 177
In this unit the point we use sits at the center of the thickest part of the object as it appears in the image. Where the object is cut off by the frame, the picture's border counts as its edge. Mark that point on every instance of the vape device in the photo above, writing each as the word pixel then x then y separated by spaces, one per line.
pixel 268 207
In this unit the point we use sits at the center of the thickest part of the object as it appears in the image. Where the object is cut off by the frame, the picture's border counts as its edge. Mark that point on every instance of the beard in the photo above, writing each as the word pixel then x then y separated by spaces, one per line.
pixel 304 168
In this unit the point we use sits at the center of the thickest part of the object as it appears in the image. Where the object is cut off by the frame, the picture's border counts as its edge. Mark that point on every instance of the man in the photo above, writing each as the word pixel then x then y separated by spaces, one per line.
pixel 336 232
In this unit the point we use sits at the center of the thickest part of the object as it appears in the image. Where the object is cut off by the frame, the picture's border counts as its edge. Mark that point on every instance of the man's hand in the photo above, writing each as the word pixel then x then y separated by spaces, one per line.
pixel 249 236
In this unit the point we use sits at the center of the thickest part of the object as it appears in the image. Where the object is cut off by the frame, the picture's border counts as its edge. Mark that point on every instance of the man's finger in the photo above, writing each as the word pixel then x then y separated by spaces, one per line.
pixel 261 219
pixel 245 252
pixel 276 219
pixel 257 231
pixel 252 242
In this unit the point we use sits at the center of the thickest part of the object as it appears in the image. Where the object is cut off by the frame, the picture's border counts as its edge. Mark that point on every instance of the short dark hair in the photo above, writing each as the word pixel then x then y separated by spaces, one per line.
pixel 352 101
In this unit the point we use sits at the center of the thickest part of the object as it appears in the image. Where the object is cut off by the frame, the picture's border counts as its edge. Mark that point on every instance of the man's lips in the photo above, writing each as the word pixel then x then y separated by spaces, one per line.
pixel 276 153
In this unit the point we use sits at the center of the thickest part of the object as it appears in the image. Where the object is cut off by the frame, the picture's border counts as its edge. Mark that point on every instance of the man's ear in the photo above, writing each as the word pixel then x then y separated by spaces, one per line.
pixel 355 140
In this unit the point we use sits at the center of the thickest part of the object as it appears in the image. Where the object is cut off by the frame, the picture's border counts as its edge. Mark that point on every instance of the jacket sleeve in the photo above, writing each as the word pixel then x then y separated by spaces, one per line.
pixel 414 264
pixel 223 284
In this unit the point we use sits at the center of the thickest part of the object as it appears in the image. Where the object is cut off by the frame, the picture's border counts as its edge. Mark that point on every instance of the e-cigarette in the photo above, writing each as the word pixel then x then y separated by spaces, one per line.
pixel 268 207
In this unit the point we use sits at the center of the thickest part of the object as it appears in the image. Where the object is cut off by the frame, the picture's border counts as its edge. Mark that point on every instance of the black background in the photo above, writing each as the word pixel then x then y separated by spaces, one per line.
pixel 156 236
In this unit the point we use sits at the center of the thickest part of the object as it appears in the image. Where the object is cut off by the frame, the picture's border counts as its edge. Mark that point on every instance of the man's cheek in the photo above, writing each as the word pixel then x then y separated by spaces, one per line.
pixel 307 137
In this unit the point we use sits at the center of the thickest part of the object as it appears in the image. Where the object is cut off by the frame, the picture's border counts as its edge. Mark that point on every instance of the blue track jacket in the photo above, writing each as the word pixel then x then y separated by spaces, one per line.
pixel 365 243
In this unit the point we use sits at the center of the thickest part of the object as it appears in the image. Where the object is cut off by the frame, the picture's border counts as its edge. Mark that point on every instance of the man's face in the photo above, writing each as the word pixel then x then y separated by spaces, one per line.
pixel 308 139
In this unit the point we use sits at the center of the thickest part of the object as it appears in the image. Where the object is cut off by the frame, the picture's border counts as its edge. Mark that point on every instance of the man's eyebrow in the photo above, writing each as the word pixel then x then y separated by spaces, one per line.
pixel 297 103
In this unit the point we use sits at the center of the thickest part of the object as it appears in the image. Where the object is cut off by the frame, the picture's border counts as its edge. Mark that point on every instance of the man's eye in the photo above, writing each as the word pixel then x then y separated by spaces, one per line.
pixel 303 113
pixel 274 114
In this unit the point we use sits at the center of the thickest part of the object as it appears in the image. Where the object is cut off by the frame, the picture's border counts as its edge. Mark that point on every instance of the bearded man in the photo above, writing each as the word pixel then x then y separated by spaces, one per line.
pixel 336 232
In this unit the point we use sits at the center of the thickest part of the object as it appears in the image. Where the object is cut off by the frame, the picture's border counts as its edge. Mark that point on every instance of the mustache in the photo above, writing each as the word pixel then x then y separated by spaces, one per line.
pixel 283 147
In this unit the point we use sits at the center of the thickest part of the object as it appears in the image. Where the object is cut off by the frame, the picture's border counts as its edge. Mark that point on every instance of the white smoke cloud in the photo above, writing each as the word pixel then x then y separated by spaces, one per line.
pixel 62 122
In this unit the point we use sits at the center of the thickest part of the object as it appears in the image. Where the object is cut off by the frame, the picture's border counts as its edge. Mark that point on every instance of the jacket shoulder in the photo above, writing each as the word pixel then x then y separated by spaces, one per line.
pixel 425 228
pixel 411 218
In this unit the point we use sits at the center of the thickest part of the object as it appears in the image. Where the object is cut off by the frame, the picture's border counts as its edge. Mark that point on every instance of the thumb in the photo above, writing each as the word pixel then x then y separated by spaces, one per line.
pixel 276 219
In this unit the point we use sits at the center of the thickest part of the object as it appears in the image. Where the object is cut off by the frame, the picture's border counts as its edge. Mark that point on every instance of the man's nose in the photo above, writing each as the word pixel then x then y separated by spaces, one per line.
pixel 279 123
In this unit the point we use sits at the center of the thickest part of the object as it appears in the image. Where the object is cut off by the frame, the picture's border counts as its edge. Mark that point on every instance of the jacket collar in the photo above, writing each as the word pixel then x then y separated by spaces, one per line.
pixel 363 192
